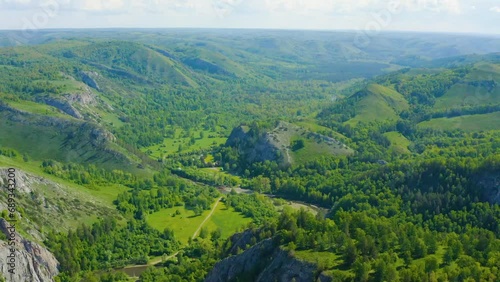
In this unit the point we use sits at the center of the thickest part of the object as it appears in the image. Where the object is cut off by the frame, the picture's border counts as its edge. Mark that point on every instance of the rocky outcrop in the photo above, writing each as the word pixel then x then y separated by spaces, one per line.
pixel 33 262
pixel 43 204
pixel 276 144
pixel 84 99
pixel 490 185
pixel 264 262
pixel 24 183
pixel 254 147
pixel 74 104
pixel 88 77
pixel 63 106
pixel 101 136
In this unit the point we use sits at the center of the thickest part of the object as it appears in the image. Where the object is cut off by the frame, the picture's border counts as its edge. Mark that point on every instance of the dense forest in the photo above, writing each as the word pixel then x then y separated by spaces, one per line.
pixel 392 170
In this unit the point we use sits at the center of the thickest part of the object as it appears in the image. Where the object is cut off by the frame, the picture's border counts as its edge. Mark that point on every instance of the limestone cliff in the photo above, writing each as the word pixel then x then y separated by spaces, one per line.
pixel 33 262
pixel 265 261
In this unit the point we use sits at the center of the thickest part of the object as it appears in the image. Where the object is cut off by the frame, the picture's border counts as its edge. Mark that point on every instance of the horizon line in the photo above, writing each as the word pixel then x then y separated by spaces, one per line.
pixel 248 29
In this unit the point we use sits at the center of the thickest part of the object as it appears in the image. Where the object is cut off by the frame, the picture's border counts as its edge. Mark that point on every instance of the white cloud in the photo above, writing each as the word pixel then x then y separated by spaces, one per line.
pixel 346 6
pixel 102 5
pixel 495 9
pixel 296 6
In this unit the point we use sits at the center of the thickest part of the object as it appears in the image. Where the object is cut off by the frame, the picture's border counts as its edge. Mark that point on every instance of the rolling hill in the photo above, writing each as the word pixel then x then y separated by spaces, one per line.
pixel 285 143
pixel 377 103
pixel 395 145
pixel 374 103
pixel 478 87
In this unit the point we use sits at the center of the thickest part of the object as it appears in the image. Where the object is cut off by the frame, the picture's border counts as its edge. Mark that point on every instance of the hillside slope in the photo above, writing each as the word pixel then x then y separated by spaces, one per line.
pixel 285 143
pixel 60 138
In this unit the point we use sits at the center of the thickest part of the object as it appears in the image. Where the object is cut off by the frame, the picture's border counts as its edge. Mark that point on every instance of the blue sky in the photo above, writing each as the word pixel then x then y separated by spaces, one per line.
pixel 482 16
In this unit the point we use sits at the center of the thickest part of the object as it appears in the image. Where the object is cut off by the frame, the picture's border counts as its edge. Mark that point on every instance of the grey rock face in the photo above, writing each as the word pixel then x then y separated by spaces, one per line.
pixel 33 262
pixel 490 184
pixel 263 262
pixel 64 106
pixel 88 78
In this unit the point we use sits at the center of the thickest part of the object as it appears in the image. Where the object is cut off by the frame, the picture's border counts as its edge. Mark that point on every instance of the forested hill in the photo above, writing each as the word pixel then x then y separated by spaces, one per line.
pixel 144 88
pixel 228 153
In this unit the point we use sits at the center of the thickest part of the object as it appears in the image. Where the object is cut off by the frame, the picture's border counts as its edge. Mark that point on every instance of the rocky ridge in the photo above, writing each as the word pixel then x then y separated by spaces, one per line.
pixel 33 262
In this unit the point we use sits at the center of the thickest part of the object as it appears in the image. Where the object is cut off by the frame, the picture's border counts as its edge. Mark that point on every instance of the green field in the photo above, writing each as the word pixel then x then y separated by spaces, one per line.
pixel 67 85
pixel 326 258
pixel 399 143
pixel 185 224
pixel 171 145
pixel 467 123
pixel 227 220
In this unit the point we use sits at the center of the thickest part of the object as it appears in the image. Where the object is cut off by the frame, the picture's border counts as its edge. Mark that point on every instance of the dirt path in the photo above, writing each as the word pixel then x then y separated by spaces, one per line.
pixel 158 260
pixel 207 218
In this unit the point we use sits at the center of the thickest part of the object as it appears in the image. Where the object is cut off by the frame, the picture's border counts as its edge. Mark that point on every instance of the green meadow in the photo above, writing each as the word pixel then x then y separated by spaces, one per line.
pixel 186 223
pixel 203 139
pixel 467 123
pixel 399 143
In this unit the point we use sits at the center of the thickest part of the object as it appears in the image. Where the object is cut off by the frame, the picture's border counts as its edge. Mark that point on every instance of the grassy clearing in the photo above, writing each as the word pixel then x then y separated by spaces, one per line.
pixel 109 193
pixel 109 118
pixel 227 220
pixel 181 140
pixel 325 258
pixel 315 145
pixel 186 223
pixel 312 150
pixel 399 143
pixel 331 262
pixel 281 204
pixel 468 123
pixel 67 85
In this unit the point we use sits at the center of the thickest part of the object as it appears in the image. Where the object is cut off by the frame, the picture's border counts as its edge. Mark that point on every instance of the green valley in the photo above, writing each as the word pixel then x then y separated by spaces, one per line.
pixel 250 155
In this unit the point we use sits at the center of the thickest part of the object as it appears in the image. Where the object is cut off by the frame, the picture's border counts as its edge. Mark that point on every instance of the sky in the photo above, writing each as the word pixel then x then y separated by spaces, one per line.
pixel 462 16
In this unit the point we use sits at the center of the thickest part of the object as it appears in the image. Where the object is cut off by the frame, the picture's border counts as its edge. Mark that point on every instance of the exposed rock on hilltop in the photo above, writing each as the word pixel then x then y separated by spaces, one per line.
pixel 80 105
pixel 63 106
pixel 33 262
pixel 48 205
pixel 276 144
pixel 254 146
pixel 88 78
pixel 263 262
